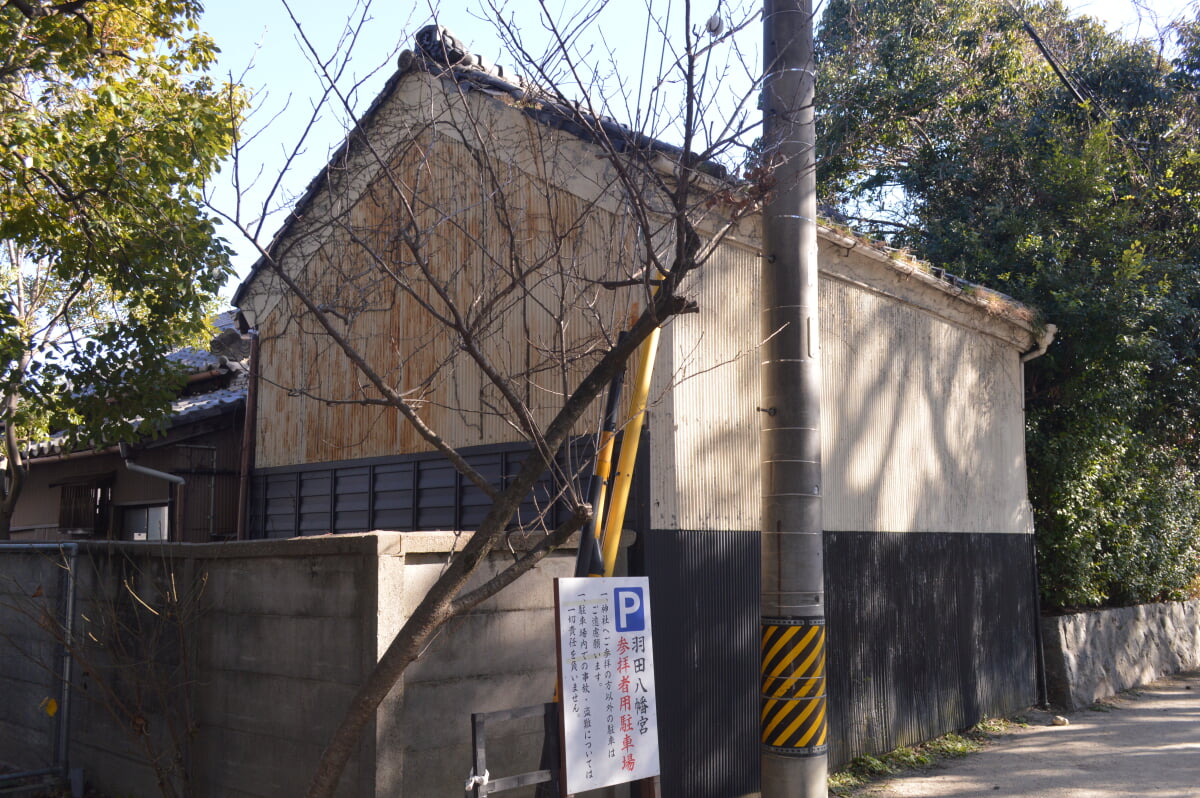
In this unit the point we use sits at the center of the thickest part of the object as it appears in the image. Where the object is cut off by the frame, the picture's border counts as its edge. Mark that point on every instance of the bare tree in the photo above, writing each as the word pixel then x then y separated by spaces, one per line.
pixel 462 270
pixel 131 642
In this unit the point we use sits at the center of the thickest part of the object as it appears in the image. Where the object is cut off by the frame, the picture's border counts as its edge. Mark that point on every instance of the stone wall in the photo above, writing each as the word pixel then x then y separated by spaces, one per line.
pixel 273 638
pixel 1093 655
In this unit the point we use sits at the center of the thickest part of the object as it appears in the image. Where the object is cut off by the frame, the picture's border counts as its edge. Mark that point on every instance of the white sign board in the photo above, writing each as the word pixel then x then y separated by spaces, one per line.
pixel 606 669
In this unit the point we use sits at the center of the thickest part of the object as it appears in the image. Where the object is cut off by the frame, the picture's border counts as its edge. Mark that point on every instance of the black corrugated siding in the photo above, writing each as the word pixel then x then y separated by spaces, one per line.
pixel 928 633
pixel 704 589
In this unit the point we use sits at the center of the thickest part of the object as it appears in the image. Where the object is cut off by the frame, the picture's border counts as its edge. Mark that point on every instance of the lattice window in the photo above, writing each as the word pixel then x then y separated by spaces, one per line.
pixel 83 509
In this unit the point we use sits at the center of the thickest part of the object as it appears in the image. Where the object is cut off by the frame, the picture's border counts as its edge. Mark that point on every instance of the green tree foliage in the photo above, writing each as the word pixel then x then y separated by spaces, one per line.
pixel 109 129
pixel 1054 160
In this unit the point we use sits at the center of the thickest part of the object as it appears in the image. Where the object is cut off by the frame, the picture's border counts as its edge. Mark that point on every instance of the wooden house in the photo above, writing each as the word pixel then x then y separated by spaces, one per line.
pixel 466 201
pixel 180 485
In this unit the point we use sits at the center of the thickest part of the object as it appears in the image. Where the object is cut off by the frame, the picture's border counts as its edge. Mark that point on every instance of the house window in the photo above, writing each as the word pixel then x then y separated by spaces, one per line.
pixel 83 509
pixel 144 523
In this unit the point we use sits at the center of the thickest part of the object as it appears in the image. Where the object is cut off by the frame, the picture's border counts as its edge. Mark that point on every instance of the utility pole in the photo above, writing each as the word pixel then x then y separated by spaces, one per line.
pixel 794 725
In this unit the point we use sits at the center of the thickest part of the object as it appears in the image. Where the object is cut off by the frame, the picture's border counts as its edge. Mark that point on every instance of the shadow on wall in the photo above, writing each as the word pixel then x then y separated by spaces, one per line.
pixel 498 656
pixel 923 421
pixel 931 606
pixel 928 561
pixel 923 427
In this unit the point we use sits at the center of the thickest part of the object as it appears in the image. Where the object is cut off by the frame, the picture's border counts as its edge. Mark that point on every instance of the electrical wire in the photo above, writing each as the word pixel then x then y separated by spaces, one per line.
pixel 1080 91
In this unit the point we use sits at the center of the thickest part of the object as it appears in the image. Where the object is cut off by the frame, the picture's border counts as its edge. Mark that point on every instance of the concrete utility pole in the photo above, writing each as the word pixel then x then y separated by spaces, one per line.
pixel 794 732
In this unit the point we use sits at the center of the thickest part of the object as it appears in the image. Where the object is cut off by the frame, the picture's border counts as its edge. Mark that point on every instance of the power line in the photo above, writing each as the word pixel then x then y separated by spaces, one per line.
pixel 1077 90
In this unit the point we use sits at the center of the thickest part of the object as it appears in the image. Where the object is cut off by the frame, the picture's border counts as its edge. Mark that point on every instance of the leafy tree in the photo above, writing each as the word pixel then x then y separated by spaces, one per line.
pixel 108 132
pixel 1057 161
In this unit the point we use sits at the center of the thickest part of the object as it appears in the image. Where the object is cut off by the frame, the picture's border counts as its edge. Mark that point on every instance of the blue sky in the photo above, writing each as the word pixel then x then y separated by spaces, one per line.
pixel 263 48
pixel 1126 14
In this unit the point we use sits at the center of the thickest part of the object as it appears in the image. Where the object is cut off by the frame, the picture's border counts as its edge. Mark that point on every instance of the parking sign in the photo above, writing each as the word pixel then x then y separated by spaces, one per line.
pixel 606 669
pixel 631 612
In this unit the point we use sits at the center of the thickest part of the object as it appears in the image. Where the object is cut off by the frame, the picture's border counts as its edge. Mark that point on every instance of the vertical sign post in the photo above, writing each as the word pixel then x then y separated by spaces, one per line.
pixel 606 669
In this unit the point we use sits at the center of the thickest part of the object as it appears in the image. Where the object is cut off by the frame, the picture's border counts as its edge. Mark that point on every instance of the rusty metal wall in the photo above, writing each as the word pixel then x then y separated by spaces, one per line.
pixel 519 259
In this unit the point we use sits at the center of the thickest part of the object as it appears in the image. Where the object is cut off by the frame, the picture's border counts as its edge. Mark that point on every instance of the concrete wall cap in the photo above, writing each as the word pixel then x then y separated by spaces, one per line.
pixel 382 542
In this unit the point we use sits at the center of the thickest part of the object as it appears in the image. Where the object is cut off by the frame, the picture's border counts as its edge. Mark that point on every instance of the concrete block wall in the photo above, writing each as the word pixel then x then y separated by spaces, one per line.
pixel 30 584
pixel 130 672
pixel 499 656
pixel 283 633
pixel 1094 655
pixel 286 633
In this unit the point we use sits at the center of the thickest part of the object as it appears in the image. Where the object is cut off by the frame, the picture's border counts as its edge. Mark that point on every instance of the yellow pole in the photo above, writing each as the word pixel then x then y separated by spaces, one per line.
pixel 603 472
pixel 629 449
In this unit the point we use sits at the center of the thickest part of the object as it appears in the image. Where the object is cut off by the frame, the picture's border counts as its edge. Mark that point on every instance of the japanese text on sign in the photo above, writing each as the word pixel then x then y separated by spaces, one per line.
pixel 606 668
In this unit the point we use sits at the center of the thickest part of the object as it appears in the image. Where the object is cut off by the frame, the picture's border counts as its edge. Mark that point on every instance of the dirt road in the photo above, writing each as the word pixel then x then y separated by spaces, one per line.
pixel 1145 743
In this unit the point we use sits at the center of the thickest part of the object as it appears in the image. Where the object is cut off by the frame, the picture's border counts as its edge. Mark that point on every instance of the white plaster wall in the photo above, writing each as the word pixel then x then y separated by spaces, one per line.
pixel 922 418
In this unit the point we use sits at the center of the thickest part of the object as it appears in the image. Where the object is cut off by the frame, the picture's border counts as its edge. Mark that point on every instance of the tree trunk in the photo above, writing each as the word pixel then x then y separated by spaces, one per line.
pixel 436 606
pixel 12 479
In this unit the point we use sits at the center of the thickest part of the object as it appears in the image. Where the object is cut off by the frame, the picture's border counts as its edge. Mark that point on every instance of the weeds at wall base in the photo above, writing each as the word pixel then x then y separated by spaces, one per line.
pixel 865 770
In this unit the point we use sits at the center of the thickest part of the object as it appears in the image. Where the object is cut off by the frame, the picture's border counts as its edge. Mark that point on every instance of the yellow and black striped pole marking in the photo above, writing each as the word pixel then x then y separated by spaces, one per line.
pixel 793 686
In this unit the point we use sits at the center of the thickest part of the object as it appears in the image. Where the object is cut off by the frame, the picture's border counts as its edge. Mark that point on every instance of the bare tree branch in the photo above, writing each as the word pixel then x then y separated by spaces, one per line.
pixel 467 601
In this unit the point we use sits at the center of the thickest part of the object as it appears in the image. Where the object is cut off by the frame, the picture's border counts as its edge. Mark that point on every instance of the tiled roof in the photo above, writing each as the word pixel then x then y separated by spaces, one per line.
pixel 184 410
pixel 195 360
pixel 188 409
pixel 226 321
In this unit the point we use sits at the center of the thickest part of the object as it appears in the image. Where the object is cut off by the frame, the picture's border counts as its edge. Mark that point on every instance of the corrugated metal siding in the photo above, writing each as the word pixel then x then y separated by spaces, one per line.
pixel 922 426
pixel 928 633
pixel 481 222
pixel 923 429
pixel 708 419
pixel 704 589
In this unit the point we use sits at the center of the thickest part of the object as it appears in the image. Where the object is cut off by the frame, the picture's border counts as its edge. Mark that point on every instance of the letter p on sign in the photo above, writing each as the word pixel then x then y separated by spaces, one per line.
pixel 631 609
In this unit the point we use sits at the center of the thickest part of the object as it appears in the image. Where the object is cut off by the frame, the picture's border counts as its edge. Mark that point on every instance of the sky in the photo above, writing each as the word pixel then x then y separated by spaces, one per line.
pixel 1126 16
pixel 264 49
